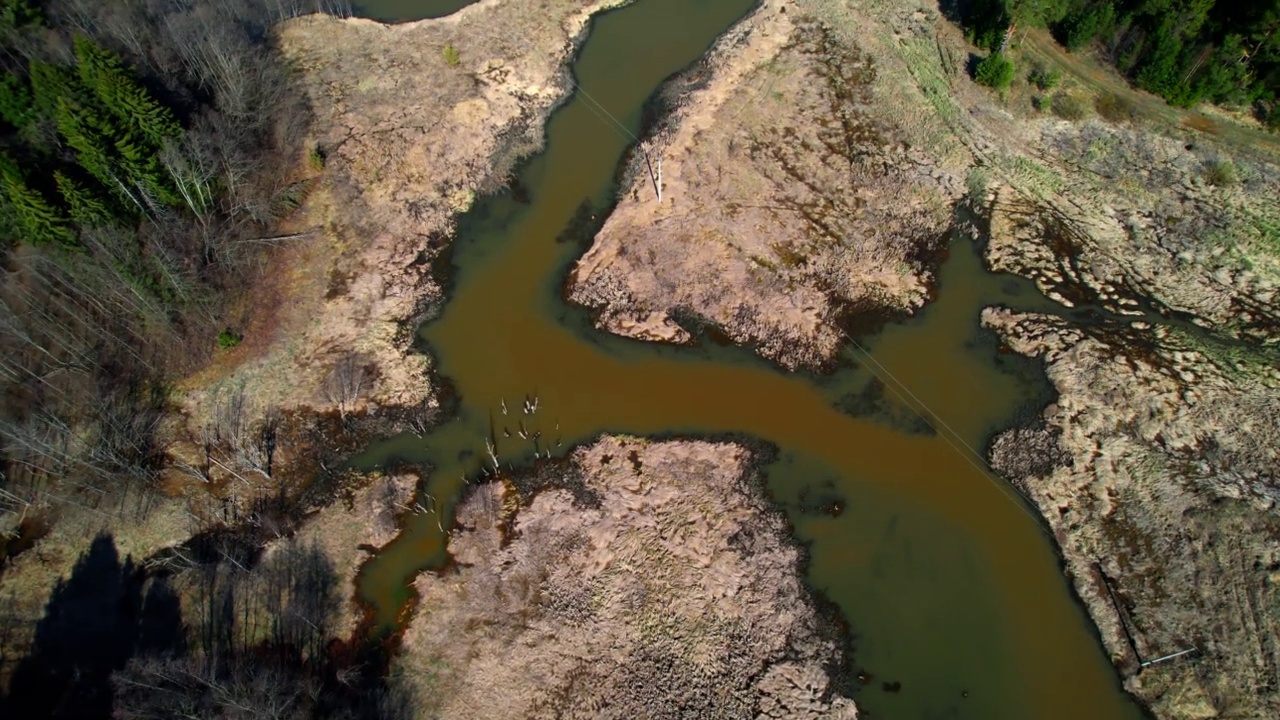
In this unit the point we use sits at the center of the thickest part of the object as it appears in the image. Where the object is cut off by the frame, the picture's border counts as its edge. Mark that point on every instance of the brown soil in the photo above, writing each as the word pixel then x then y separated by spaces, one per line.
pixel 661 585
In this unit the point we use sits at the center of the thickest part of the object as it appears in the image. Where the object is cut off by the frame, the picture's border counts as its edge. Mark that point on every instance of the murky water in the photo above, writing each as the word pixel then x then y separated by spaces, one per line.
pixel 948 582
pixel 403 10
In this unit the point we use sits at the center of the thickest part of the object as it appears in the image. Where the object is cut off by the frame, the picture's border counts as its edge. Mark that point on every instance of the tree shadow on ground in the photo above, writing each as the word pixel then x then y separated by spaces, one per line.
pixel 258 642
pixel 94 622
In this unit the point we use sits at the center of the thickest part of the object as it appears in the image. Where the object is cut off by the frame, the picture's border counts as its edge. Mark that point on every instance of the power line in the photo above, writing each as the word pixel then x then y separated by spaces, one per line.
pixel 604 110
pixel 952 437
pixel 972 456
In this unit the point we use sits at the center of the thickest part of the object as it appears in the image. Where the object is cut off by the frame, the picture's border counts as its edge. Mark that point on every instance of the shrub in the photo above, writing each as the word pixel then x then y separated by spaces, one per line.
pixel 229 338
pixel 1272 117
pixel 1221 173
pixel 451 57
pixel 1042 102
pixel 316 158
pixel 1046 80
pixel 995 71
pixel 1069 107
pixel 1114 108
pixel 976 183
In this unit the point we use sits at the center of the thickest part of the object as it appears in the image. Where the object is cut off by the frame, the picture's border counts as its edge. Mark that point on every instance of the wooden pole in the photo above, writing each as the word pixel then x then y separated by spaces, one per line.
pixel 656 179
pixel 1170 657
pixel 659 180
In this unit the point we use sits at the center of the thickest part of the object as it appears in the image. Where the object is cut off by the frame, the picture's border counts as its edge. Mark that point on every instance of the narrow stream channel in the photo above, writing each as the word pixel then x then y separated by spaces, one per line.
pixel 948 582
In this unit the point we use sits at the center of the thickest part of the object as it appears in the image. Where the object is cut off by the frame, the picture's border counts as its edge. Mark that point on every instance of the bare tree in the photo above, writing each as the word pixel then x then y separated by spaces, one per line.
pixel 346 382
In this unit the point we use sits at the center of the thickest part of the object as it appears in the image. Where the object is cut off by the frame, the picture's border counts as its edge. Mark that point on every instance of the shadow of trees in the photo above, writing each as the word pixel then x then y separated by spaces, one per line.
pixel 237 634
pixel 90 629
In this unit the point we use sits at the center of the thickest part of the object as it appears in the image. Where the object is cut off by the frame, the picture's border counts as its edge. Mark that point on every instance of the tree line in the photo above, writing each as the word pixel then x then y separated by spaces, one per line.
pixel 145 150
pixel 1186 51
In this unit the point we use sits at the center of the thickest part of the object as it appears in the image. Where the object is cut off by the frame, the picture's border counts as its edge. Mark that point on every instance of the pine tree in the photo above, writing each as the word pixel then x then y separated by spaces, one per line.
pixel 86 207
pixel 102 72
pixel 16 105
pixel 39 221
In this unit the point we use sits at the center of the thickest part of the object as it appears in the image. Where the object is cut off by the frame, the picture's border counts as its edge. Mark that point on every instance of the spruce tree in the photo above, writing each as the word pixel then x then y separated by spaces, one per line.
pixel 16 105
pixel 103 73
pixel 39 221
pixel 86 207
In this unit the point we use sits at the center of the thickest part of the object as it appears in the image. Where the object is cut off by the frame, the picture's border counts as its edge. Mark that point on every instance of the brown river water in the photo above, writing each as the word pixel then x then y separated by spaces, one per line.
pixel 948 581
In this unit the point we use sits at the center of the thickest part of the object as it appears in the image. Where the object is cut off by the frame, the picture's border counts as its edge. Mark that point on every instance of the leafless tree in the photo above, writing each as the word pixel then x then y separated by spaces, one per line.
pixel 256 449
pixel 346 382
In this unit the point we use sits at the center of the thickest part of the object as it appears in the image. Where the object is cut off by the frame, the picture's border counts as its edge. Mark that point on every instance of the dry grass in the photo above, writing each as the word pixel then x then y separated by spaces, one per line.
pixel 409 140
pixel 654 602
pixel 346 531
pixel 1171 487
pixel 791 154
pixel 392 118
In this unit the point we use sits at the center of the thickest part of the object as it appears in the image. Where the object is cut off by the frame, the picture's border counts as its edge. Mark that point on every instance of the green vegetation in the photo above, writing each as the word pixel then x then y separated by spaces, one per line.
pixel 228 339
pixel 1068 107
pixel 1114 108
pixel 976 183
pixel 1186 51
pixel 143 147
pixel 146 149
pixel 316 158
pixel 1221 173
pixel 116 132
pixel 451 57
pixel 995 71
pixel 1085 23
pixel 1045 80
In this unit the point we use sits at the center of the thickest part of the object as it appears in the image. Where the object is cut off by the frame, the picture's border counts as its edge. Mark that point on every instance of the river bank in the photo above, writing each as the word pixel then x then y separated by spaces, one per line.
pixel 413 122
pixel 795 196
pixel 635 578
pixel 1162 442
pixel 323 360
pixel 1164 500
pixel 922 538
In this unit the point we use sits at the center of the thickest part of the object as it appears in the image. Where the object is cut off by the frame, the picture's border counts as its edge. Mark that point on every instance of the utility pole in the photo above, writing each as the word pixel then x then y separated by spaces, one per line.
pixel 654 177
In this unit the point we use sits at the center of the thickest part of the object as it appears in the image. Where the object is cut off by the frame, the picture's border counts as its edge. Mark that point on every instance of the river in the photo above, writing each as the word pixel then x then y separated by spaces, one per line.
pixel 948 581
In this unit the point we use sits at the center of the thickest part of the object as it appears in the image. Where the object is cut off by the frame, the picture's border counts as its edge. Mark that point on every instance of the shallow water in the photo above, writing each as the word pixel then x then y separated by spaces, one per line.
pixel 405 10
pixel 947 580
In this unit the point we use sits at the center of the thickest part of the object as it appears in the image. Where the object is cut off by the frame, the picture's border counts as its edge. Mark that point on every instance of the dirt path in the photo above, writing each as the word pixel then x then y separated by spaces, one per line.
pixel 1099 78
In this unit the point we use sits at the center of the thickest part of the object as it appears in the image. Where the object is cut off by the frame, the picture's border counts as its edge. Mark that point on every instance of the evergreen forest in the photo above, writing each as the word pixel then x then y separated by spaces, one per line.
pixel 1225 52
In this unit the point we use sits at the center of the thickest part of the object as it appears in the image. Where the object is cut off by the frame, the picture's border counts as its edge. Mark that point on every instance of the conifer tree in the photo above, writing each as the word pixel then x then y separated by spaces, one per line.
pixel 39 221
pixel 89 135
pixel 86 207
pixel 103 73
pixel 16 105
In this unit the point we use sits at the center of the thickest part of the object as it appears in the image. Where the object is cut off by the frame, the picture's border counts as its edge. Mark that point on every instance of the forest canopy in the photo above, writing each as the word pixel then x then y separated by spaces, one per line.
pixel 147 148
pixel 1187 51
